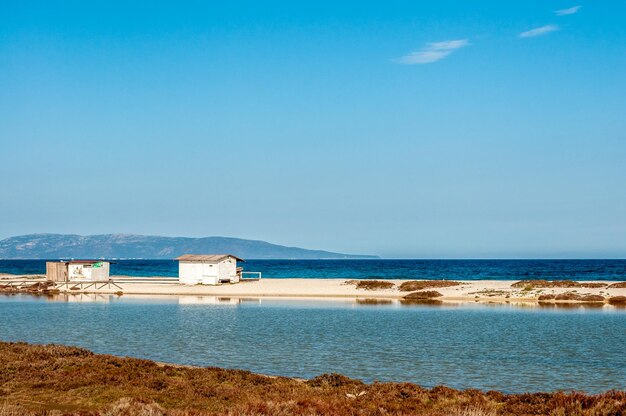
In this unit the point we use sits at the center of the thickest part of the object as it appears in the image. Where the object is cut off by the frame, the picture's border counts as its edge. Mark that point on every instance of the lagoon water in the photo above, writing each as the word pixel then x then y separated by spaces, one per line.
pixel 502 347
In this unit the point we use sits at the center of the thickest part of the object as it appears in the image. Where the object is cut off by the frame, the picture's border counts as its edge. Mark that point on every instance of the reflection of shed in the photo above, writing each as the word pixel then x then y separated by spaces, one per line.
pixel 208 269
pixel 77 270
pixel 207 300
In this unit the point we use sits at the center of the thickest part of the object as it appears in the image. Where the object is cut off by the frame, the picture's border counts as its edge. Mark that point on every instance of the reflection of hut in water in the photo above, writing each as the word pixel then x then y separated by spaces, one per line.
pixel 77 270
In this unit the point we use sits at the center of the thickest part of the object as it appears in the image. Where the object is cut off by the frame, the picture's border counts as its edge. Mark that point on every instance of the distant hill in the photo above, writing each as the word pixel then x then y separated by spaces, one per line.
pixel 129 246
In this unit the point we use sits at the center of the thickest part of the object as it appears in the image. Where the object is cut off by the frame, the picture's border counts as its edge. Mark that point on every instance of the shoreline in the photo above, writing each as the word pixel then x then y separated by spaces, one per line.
pixel 491 291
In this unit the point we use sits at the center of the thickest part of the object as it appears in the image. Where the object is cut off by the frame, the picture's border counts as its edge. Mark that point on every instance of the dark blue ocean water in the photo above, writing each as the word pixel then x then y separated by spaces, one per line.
pixel 377 269
pixel 501 347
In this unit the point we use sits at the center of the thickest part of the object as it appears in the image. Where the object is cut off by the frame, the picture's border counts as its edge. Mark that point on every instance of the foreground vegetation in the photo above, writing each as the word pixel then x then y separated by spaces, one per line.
pixel 58 380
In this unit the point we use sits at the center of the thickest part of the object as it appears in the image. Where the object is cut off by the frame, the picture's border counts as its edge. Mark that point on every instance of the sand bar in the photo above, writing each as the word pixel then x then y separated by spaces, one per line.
pixel 466 291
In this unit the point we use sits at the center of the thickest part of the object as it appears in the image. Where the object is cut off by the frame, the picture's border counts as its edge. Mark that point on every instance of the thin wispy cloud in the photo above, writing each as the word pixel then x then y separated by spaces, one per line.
pixel 432 52
pixel 566 12
pixel 539 31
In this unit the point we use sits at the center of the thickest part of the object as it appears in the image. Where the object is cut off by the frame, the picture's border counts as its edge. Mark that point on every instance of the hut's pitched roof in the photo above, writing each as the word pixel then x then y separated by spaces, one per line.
pixel 206 257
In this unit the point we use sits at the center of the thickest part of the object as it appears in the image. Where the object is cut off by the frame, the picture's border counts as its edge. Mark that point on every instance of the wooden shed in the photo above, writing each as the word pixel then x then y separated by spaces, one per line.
pixel 78 270
pixel 208 269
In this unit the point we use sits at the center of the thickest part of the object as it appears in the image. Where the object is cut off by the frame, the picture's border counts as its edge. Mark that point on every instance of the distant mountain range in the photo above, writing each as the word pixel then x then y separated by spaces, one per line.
pixel 129 246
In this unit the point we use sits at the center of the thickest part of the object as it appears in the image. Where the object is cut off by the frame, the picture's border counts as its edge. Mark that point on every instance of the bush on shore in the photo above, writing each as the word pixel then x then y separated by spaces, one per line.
pixel 534 284
pixel 414 285
pixel 618 300
pixel 424 294
pixel 570 296
pixel 371 284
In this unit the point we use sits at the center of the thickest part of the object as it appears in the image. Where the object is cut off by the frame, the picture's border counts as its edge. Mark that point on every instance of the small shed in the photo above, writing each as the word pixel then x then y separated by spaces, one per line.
pixel 76 270
pixel 208 269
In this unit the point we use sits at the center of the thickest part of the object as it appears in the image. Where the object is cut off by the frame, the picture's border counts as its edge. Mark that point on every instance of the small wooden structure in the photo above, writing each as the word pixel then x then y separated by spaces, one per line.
pixel 208 269
pixel 78 270
pixel 56 271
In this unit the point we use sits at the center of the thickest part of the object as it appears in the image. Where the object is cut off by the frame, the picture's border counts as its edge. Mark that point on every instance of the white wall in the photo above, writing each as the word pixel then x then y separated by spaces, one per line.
pixel 228 270
pixel 191 273
pixel 86 272
pixel 100 273
pixel 79 272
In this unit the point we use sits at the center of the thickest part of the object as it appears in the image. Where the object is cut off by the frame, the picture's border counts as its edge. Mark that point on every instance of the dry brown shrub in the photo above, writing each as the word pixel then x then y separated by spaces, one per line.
pixel 38 288
pixel 618 285
pixel 592 298
pixel 371 284
pixel 77 382
pixel 568 296
pixel 268 408
pixel 333 380
pixel 134 407
pixel 533 284
pixel 617 299
pixel 546 297
pixel 474 411
pixel 565 283
pixel 11 410
pixel 593 285
pixel 414 285
pixel 424 294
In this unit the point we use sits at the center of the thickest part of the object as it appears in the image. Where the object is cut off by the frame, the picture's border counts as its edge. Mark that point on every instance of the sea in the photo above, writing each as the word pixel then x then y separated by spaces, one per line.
pixel 503 347
pixel 609 270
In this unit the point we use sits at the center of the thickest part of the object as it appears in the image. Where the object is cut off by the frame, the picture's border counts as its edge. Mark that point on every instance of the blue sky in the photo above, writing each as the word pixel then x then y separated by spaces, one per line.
pixel 404 129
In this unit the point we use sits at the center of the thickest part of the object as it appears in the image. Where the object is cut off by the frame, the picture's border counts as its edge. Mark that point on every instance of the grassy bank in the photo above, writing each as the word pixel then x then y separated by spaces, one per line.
pixel 58 380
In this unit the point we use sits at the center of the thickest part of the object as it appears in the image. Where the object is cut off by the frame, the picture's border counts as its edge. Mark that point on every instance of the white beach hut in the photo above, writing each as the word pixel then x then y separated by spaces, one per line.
pixel 208 269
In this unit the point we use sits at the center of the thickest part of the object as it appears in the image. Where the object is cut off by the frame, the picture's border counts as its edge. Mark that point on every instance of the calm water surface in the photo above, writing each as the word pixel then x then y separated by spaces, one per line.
pixel 377 269
pixel 472 346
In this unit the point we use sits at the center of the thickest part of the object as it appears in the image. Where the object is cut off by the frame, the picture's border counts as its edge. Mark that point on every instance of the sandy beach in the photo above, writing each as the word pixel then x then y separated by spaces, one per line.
pixel 466 291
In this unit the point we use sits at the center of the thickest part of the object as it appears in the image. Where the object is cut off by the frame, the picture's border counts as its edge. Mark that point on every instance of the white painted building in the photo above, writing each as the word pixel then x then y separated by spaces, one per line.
pixel 208 269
